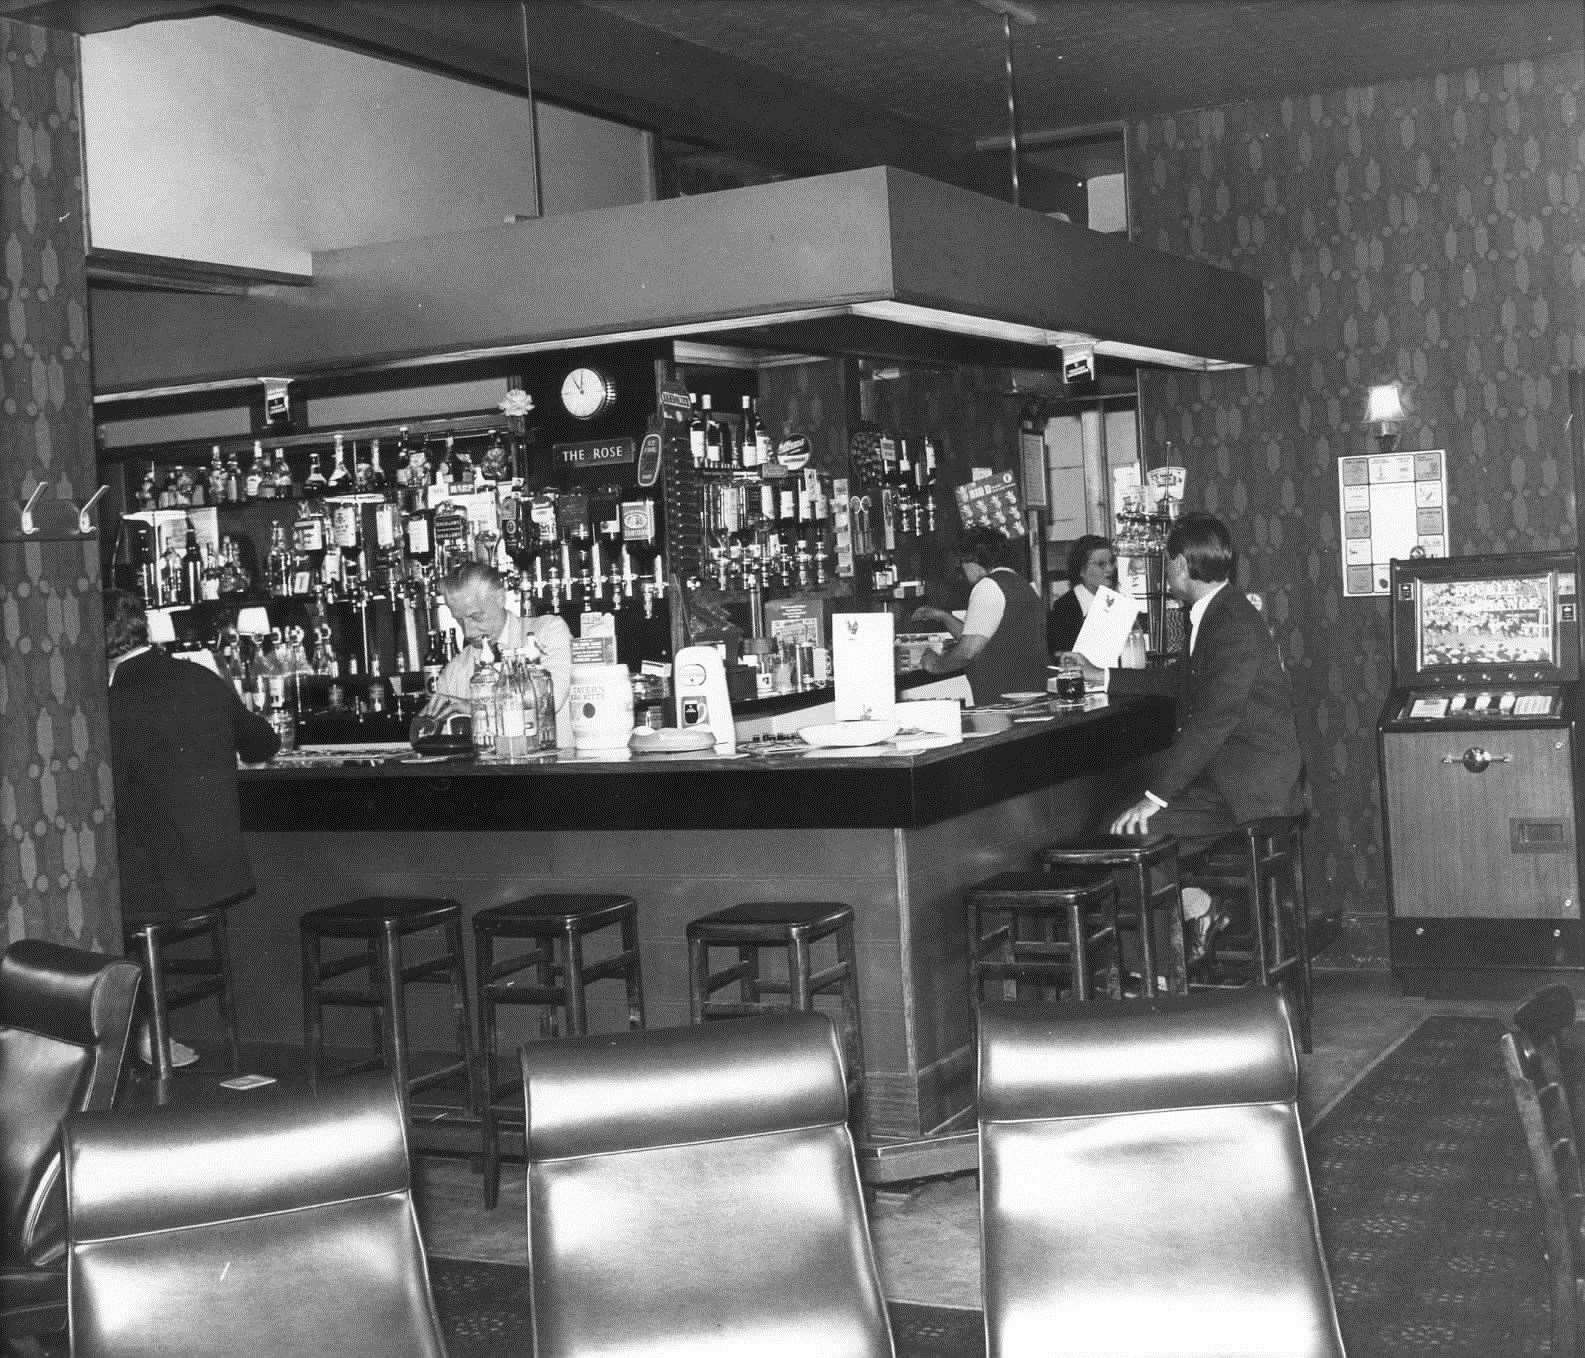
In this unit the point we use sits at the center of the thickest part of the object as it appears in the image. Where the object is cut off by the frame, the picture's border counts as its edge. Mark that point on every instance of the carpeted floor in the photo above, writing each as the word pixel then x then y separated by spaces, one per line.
pixel 1428 1210
pixel 1428 1214
pixel 484 1310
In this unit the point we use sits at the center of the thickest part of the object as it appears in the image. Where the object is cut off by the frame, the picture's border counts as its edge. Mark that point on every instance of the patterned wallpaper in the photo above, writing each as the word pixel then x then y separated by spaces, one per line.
pixel 1429 232
pixel 57 843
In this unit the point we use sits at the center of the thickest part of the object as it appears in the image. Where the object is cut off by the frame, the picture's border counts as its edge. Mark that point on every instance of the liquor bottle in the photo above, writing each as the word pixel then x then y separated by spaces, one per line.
pixel 192 567
pixel 314 484
pixel 172 570
pixel 340 479
pixel 363 474
pixel 189 488
pixel 496 465
pixel 696 431
pixel 217 477
pixel 486 691
pixel 281 475
pixel 712 435
pixel 148 495
pixel 233 579
pixel 212 574
pixel 234 479
pixel 755 440
pixel 278 563
pixel 253 485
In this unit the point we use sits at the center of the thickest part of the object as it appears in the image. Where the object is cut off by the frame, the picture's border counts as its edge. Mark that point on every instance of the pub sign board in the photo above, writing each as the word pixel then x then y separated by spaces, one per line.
pixel 590 453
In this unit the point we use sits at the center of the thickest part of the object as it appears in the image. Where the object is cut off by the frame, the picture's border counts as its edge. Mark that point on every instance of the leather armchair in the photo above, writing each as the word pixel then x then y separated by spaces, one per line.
pixel 64 1019
pixel 270 1223
pixel 693 1192
pixel 1143 1183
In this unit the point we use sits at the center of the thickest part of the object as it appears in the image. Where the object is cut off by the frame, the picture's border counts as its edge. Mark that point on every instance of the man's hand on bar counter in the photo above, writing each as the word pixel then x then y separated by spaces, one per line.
pixel 1136 820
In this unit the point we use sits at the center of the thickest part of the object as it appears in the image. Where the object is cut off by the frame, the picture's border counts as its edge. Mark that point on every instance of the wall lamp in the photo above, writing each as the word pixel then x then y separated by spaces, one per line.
pixel 1384 414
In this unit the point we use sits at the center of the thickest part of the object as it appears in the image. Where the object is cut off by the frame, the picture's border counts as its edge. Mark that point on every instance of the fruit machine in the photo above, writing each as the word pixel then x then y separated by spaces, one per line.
pixel 1479 746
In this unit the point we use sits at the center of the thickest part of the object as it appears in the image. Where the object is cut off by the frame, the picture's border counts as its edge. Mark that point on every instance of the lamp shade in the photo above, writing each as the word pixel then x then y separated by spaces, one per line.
pixel 253 622
pixel 1385 405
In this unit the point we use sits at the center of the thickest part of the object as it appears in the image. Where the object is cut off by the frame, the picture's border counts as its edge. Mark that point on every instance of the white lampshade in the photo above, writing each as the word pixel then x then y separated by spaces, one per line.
pixel 1384 406
pixel 162 632
pixel 253 622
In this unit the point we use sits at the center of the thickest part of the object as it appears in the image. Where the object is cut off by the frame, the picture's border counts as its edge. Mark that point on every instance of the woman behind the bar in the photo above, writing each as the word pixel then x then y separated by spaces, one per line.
pixel 1091 564
pixel 1001 643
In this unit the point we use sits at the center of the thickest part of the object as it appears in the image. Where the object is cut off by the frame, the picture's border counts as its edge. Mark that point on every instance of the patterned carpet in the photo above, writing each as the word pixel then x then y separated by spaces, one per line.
pixel 484 1311
pixel 1427 1208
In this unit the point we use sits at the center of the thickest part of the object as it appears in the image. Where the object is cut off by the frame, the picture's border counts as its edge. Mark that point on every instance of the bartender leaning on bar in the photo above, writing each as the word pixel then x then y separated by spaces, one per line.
pixel 1001 643
pixel 476 596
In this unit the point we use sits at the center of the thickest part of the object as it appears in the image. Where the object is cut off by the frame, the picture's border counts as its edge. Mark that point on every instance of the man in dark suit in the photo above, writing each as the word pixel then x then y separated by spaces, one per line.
pixel 1236 753
pixel 176 730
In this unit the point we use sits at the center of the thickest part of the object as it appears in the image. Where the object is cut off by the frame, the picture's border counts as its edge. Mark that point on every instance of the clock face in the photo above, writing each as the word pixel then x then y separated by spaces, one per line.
pixel 585 392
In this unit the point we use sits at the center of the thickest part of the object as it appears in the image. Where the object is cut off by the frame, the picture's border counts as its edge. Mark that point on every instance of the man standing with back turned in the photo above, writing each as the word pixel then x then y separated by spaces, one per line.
pixel 1235 756
pixel 176 732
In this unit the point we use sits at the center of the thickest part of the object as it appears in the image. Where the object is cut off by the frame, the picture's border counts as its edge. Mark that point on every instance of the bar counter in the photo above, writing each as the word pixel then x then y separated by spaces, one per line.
pixel 896 834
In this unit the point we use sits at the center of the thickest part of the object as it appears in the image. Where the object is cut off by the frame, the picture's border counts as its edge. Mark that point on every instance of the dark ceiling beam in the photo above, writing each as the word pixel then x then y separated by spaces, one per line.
pixel 593 61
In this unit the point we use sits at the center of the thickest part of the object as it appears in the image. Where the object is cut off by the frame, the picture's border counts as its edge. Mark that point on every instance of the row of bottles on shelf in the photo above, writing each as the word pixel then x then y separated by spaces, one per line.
pixel 767 533
pixel 898 476
pixel 421 468
pixel 725 442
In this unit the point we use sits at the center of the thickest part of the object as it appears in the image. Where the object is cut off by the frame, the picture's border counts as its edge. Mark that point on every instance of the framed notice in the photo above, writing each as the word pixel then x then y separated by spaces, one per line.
pixel 1393 506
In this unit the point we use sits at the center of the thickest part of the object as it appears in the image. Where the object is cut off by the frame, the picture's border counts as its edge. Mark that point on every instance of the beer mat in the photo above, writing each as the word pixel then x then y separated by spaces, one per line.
pixel 247 1082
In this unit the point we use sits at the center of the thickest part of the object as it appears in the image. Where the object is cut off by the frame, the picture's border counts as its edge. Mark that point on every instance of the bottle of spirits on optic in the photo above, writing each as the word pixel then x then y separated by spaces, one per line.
pixel 216 477
pixel 696 432
pixel 340 479
pixel 281 475
pixel 278 563
pixel 253 485
pixel 314 484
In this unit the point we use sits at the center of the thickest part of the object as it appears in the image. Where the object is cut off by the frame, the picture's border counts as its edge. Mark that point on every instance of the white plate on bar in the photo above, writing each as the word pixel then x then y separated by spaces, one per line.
pixel 837 734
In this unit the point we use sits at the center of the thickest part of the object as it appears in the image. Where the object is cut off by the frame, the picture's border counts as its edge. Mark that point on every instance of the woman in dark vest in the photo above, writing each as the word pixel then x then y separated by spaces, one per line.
pixel 1001 643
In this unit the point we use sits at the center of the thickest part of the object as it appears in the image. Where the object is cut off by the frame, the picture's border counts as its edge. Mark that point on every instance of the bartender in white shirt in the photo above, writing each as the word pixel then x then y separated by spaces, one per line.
pixel 476 595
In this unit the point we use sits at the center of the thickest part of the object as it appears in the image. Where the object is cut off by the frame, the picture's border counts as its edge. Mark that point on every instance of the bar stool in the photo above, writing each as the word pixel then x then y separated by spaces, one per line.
pixel 380 923
pixel 150 939
pixel 794 926
pixel 1133 862
pixel 1076 914
pixel 556 925
pixel 1263 861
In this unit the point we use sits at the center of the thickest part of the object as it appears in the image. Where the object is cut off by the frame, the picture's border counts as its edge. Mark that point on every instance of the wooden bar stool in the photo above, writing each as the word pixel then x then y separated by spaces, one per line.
pixel 166 983
pixel 794 927
pixel 1135 862
pixel 556 925
pixel 380 923
pixel 1075 914
pixel 1263 863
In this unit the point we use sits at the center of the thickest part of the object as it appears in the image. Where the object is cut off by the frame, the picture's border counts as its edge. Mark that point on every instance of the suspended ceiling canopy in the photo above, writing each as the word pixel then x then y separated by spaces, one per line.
pixel 878 263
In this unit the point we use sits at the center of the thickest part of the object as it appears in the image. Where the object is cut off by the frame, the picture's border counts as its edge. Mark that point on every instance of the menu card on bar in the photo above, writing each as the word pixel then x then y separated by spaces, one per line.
pixel 862 666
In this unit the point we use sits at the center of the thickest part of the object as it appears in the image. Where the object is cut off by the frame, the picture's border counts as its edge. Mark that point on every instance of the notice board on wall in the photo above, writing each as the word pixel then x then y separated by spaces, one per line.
pixel 1393 505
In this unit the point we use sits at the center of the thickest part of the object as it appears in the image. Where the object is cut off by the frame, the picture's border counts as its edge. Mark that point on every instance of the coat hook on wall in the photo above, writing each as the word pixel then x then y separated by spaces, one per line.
pixel 55 520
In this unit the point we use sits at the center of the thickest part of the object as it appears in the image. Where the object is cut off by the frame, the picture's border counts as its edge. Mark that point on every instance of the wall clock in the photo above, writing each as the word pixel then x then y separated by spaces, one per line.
pixel 587 392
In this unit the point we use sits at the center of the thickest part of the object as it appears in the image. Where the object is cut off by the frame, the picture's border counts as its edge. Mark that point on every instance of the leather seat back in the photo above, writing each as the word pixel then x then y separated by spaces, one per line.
pixel 1143 1182
pixel 64 1018
pixel 693 1191
pixel 266 1224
